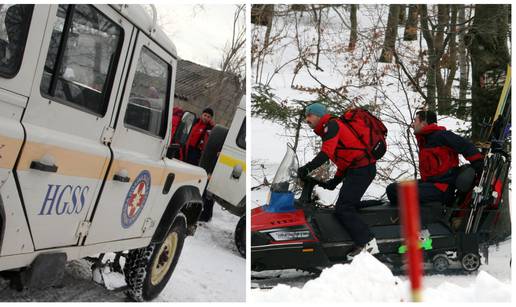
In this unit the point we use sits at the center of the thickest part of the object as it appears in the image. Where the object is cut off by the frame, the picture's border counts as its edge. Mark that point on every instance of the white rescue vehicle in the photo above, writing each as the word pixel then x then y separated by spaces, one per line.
pixel 224 159
pixel 86 97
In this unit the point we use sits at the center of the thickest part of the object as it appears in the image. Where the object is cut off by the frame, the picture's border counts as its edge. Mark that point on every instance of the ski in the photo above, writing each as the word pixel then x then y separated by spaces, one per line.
pixel 488 192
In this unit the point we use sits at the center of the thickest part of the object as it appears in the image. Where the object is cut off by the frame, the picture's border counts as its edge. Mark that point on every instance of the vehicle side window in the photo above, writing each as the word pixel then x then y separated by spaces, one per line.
pixel 148 100
pixel 82 58
pixel 14 27
pixel 241 136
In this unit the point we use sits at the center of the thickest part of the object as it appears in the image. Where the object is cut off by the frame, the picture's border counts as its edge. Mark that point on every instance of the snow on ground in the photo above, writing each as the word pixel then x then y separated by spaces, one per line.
pixel 209 270
pixel 346 283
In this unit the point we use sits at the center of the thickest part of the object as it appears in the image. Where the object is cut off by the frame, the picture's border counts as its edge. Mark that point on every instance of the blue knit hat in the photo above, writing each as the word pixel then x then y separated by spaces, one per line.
pixel 316 108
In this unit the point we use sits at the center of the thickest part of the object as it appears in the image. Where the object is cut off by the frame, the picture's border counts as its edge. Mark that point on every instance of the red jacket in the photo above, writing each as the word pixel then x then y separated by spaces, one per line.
pixel 340 145
pixel 439 151
pixel 177 115
pixel 199 134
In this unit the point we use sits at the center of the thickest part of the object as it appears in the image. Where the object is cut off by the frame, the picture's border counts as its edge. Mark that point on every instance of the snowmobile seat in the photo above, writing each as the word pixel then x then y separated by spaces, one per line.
pixel 377 212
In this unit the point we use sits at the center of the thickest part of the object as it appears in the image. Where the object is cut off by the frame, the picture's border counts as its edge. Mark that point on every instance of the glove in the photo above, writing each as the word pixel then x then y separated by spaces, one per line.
pixel 303 171
pixel 331 184
pixel 478 166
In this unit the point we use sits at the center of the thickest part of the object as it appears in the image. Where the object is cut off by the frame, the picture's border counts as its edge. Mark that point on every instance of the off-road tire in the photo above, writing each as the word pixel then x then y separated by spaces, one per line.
pixel 139 263
pixel 240 235
pixel 212 148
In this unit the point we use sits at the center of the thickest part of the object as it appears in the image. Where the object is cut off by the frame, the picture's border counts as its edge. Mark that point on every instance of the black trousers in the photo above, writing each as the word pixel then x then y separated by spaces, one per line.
pixel 353 188
pixel 207 211
pixel 194 155
pixel 427 192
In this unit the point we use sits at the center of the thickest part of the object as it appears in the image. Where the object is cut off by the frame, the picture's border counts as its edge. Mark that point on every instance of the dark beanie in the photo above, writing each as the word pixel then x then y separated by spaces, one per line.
pixel 208 110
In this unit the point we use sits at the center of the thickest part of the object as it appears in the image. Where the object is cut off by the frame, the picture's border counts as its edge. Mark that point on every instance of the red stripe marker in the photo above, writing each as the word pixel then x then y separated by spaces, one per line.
pixel 409 211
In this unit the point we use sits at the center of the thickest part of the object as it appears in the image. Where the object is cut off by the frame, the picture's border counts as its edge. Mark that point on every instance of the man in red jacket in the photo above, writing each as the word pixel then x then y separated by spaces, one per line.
pixel 439 151
pixel 355 170
pixel 177 115
pixel 199 135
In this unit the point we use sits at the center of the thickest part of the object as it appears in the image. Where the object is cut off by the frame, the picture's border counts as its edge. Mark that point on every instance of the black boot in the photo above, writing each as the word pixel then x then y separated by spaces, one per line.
pixel 370 247
pixel 357 249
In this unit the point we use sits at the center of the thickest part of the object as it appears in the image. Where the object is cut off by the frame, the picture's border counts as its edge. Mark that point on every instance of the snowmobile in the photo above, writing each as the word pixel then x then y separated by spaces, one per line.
pixel 301 233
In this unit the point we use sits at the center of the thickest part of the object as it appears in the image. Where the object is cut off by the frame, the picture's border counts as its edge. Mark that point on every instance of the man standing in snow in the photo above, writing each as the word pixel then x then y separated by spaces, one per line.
pixel 355 170
pixel 199 135
pixel 438 159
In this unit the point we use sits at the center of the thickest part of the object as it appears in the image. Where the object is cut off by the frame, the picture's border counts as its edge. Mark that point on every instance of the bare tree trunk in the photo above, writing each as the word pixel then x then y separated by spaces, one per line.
pixel 261 14
pixel 463 64
pixel 401 20
pixel 432 58
pixel 487 41
pixel 452 59
pixel 449 60
pixel 353 36
pixel 410 33
pixel 317 18
pixel 391 31
pixel 442 22
pixel 269 12
pixel 300 119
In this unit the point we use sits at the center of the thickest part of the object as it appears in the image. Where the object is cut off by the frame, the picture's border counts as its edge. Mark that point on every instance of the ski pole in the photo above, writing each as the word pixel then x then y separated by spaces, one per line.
pixel 409 212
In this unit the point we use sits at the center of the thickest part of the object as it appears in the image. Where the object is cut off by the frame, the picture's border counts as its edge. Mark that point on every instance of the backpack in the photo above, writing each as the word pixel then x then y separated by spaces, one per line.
pixel 361 122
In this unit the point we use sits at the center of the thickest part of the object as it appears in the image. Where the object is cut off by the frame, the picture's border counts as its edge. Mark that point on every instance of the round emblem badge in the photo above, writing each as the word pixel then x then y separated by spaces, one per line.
pixel 136 198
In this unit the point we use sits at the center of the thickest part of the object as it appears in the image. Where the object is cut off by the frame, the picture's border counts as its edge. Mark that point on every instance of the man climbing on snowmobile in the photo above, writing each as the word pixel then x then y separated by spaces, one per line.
pixel 355 170
pixel 439 151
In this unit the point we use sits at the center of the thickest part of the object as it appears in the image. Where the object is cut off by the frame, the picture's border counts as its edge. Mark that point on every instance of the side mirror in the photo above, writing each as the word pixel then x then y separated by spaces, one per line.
pixel 184 128
pixel 173 151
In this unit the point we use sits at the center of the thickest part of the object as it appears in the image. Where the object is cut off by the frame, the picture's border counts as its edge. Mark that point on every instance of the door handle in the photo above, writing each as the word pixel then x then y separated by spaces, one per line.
pixel 121 178
pixel 237 171
pixel 43 167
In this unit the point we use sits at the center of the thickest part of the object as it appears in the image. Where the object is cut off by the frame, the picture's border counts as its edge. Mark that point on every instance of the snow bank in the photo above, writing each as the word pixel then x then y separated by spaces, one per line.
pixel 364 280
pixel 485 288
pixel 368 280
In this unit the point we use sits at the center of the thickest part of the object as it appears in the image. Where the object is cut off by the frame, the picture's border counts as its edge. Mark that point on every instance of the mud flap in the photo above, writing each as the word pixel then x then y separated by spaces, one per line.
pixel 47 270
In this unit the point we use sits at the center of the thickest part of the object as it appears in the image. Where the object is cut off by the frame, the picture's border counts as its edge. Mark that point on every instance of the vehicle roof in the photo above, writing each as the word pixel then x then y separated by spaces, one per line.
pixel 136 14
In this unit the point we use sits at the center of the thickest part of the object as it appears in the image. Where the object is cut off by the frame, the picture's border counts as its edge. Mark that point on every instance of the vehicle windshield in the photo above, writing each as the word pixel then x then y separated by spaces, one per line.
pixel 284 180
pixel 281 196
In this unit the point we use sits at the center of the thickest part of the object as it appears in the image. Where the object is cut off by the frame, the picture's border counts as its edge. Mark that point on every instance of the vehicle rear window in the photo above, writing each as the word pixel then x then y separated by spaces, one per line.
pixel 148 100
pixel 82 58
pixel 241 136
pixel 14 27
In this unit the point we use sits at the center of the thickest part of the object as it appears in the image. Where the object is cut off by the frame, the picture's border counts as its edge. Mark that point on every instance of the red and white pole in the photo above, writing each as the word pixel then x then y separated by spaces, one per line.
pixel 409 211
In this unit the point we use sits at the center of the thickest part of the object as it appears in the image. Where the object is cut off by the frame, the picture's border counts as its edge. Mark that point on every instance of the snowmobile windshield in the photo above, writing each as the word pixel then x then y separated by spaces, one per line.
pixel 284 180
pixel 281 197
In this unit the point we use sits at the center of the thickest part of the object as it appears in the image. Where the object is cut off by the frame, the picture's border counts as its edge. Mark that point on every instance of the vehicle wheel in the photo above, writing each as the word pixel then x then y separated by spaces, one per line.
pixel 440 263
pixel 470 262
pixel 240 235
pixel 148 269
pixel 212 147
